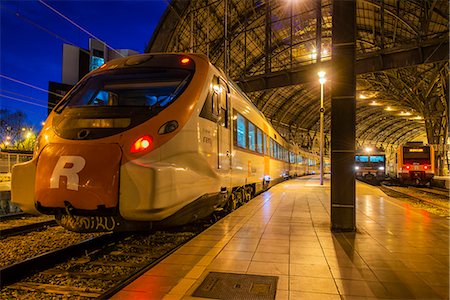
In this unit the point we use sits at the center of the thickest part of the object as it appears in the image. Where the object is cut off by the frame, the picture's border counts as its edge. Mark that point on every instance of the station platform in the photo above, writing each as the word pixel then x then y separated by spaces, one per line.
pixel 398 252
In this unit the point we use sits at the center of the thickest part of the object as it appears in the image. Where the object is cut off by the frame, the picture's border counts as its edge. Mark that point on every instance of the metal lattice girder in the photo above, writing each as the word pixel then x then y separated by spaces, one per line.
pixel 401 49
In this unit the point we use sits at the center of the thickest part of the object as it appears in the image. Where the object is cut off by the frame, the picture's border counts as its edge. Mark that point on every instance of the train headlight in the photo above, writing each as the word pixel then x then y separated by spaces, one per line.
pixel 141 144
pixel 381 168
pixel 168 127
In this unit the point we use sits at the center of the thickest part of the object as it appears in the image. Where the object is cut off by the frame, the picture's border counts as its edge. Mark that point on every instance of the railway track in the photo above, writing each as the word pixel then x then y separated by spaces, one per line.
pixel 420 195
pixel 22 229
pixel 13 216
pixel 96 268
pixel 439 192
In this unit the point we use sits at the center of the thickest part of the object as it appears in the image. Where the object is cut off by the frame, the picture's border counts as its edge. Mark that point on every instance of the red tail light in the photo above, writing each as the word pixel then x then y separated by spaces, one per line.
pixel 141 144
pixel 408 167
pixel 425 167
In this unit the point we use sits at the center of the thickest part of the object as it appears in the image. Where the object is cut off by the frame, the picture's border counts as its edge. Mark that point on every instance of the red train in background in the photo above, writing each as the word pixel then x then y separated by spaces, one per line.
pixel 415 163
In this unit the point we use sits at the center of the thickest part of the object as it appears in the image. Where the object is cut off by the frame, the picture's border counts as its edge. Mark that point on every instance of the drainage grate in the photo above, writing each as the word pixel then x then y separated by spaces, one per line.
pixel 229 286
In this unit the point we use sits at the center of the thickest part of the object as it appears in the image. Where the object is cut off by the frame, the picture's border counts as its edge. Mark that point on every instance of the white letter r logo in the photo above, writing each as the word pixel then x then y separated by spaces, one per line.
pixel 71 172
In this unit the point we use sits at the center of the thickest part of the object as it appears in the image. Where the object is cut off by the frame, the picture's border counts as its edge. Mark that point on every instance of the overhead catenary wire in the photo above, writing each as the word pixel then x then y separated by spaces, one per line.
pixel 24 101
pixel 21 95
pixel 29 85
pixel 78 26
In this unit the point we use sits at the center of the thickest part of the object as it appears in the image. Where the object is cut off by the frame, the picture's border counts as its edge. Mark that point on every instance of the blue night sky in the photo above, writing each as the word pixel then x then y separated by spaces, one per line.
pixel 32 37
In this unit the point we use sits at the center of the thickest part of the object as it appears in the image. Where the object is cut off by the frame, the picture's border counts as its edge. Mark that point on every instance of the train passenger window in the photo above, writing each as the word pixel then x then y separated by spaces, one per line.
pixel 223 105
pixel 251 137
pixel 215 104
pixel 265 144
pixel 259 141
pixel 241 134
pixel 271 150
pixel 275 146
pixel 291 157
pixel 299 159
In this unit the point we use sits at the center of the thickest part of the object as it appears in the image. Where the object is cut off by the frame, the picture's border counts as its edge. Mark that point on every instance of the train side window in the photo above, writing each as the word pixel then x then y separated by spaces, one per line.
pixel 210 107
pixel 223 104
pixel 259 142
pixel 271 149
pixel 215 104
pixel 241 131
pixel 251 137
pixel 265 144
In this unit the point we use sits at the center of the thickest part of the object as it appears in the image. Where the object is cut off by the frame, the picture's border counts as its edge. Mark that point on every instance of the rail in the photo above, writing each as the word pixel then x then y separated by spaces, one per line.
pixel 17 230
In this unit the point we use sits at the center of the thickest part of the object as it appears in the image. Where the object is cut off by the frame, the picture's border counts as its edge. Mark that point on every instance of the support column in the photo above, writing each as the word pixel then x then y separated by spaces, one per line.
pixel 343 109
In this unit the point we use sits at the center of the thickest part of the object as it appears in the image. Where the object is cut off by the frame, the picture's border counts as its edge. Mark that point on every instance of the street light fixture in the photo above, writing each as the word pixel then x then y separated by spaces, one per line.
pixel 322 80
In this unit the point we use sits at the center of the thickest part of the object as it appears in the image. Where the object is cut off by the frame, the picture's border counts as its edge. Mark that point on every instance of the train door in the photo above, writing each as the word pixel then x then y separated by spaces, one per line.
pixel 223 128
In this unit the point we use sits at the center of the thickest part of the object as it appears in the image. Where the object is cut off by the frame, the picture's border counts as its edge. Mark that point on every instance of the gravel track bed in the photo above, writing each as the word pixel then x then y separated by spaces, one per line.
pixel 432 203
pixel 91 275
pixel 18 248
pixel 24 221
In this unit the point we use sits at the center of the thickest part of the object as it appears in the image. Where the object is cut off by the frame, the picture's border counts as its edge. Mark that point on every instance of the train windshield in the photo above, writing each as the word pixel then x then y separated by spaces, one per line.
pixel 376 158
pixel 113 101
pixel 155 89
pixel 418 155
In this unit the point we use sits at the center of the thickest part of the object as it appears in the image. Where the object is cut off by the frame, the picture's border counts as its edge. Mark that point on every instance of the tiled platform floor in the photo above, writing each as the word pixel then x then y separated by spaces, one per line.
pixel 398 252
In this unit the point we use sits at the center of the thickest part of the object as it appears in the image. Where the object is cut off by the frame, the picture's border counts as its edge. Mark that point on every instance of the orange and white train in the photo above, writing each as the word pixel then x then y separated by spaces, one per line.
pixel 152 140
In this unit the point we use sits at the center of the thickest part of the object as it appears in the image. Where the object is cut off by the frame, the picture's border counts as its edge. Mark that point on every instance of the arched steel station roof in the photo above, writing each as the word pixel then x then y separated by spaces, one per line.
pixel 402 61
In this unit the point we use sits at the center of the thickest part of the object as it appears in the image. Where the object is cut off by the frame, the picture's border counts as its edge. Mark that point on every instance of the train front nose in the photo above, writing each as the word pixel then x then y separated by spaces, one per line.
pixel 79 179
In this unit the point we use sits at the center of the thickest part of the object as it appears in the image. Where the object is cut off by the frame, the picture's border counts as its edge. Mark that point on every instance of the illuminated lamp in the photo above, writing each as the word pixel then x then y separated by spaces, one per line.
pixel 425 167
pixel 185 60
pixel 141 144
pixel 408 167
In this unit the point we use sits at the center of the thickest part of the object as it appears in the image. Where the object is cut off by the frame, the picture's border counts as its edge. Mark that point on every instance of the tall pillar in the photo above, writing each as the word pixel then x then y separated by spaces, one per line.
pixel 343 109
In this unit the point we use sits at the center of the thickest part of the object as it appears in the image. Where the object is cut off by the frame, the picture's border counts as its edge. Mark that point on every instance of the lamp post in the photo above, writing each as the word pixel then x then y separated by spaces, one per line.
pixel 322 80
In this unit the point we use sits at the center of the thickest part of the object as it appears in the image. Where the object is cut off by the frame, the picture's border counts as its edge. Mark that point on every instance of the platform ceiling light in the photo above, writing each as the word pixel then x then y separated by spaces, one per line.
pixel 368 149
pixel 322 78
pixel 375 103
pixel 389 108
pixel 362 96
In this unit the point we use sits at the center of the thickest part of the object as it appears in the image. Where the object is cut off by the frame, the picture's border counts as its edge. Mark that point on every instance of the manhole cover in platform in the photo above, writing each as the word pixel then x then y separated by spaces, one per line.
pixel 237 286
